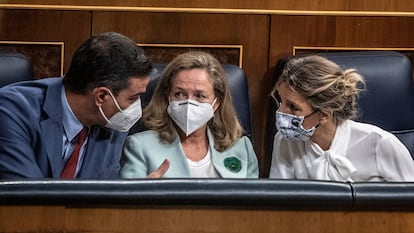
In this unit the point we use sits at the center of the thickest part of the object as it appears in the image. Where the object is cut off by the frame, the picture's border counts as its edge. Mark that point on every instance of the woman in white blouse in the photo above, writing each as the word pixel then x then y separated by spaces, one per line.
pixel 316 137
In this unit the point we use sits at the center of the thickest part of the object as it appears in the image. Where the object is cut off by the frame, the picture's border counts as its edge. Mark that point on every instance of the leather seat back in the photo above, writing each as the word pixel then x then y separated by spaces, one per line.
pixel 14 67
pixel 389 99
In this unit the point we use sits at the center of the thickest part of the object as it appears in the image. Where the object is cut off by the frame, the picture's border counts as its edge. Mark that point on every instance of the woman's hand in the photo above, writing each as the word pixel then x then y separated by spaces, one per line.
pixel 161 170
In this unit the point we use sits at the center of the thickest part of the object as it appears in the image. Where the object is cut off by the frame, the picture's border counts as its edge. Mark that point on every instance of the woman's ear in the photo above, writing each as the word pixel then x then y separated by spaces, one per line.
pixel 325 116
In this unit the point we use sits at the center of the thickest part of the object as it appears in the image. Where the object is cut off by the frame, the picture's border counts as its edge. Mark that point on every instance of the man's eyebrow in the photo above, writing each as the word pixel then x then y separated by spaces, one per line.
pixel 136 95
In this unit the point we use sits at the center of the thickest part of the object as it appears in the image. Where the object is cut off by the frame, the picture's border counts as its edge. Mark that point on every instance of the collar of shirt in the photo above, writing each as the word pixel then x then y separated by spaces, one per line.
pixel 71 125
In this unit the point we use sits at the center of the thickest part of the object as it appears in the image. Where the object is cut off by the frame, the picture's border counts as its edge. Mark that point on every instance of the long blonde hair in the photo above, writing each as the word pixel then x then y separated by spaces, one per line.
pixel 224 126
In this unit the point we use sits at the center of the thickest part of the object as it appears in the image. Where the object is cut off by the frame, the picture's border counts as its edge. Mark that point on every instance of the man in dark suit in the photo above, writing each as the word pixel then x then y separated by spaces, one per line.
pixel 100 95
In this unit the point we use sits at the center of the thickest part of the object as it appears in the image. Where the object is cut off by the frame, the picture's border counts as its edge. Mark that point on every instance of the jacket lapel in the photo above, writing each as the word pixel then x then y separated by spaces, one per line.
pixel 52 128
pixel 96 153
pixel 179 160
pixel 221 158
pixel 215 155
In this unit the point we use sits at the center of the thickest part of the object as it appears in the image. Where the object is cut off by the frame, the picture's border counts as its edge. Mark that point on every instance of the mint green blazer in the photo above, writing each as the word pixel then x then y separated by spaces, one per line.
pixel 143 153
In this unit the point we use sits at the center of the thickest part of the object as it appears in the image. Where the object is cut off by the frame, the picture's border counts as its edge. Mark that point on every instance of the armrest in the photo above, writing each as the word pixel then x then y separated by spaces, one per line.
pixel 384 195
pixel 290 194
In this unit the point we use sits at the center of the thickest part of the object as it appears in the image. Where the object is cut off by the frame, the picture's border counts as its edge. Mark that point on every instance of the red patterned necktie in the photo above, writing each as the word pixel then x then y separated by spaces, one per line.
pixel 71 164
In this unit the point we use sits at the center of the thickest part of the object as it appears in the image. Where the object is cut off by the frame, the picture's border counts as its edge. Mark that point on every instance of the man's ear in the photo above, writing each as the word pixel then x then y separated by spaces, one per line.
pixel 99 94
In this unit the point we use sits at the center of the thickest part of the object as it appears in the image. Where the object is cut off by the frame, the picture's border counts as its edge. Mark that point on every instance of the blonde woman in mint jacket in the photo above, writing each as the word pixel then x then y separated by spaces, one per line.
pixel 193 127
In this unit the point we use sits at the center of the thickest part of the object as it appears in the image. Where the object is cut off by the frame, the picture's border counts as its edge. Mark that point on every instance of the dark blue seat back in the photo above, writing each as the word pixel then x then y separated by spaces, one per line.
pixel 389 99
pixel 238 87
pixel 14 67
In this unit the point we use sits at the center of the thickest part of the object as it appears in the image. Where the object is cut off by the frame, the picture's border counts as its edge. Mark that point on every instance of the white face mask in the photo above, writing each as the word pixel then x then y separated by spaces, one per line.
pixel 124 119
pixel 190 115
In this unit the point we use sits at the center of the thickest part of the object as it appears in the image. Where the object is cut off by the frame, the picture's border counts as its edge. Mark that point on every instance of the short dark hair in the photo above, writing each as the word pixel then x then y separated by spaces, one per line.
pixel 108 59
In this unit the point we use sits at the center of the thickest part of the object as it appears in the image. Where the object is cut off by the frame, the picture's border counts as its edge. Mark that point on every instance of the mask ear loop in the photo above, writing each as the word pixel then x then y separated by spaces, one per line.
pixel 212 106
pixel 214 102
pixel 114 99
pixel 103 114
pixel 314 111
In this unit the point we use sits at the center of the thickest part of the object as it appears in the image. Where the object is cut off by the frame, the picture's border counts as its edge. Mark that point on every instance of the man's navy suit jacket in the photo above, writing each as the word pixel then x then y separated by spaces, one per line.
pixel 31 135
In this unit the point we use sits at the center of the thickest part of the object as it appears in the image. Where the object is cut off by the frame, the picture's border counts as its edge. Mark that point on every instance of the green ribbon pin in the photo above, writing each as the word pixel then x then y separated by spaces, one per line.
pixel 233 164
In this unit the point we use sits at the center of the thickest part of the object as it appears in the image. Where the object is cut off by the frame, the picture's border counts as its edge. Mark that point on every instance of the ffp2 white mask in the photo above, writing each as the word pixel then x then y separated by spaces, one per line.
pixel 190 115
pixel 124 119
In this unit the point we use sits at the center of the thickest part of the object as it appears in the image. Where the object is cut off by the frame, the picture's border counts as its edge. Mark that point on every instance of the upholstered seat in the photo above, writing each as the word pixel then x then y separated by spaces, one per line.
pixel 238 87
pixel 14 67
pixel 389 99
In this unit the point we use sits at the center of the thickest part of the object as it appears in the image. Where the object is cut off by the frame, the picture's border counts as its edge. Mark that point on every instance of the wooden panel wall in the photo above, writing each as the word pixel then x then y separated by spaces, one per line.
pixel 70 27
pixel 261 7
pixel 339 31
pixel 183 219
pixel 267 30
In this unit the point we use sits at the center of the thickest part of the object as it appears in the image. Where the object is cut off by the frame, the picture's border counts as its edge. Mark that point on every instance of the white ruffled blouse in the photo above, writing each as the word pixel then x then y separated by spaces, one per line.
pixel 359 152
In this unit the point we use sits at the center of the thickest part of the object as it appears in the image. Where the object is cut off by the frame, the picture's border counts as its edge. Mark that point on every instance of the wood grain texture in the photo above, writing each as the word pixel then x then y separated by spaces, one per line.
pixel 69 27
pixel 181 219
pixel 338 31
pixel 166 53
pixel 293 5
pixel 32 218
pixel 46 59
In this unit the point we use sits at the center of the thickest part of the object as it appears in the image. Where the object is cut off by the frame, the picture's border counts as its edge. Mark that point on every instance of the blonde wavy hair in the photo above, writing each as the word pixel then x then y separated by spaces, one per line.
pixel 224 126
pixel 324 84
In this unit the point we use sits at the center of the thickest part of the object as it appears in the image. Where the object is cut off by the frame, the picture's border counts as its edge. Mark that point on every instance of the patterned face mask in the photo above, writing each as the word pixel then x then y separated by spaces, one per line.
pixel 290 126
